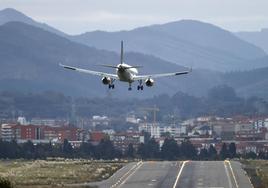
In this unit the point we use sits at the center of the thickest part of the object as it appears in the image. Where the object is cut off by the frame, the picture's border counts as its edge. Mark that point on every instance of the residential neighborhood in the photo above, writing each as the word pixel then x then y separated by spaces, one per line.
pixel 248 134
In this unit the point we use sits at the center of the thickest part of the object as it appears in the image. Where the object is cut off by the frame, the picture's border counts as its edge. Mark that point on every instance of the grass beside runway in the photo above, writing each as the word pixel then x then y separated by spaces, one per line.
pixel 257 170
pixel 55 173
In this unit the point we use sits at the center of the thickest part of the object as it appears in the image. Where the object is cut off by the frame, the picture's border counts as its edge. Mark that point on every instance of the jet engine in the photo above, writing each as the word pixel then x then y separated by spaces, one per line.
pixel 149 82
pixel 106 80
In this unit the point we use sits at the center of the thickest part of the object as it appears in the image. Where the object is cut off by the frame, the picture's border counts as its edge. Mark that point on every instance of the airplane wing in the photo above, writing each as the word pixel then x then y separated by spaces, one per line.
pixel 103 74
pixel 144 77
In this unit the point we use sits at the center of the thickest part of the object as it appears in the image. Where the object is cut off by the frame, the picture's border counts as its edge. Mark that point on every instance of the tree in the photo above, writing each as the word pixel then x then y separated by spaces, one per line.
pixel 188 151
pixel 224 151
pixel 130 151
pixel 152 149
pixel 212 152
pixel 232 150
pixel 251 155
pixel 169 150
pixel 105 150
pixel 203 155
pixel 67 148
pixel 261 155
pixel 141 150
pixel 5 183
pixel 28 150
pixel 149 150
pixel 86 150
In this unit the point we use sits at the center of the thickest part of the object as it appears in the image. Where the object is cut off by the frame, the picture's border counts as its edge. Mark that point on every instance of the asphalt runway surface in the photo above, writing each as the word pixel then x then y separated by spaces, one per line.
pixel 184 174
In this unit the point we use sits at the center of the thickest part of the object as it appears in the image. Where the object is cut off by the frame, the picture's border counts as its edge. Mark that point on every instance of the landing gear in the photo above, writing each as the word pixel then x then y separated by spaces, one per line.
pixel 111 86
pixel 140 86
pixel 129 86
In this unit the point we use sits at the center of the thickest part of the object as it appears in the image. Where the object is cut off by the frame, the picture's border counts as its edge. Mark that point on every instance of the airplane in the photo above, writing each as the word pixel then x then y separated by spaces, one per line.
pixel 125 73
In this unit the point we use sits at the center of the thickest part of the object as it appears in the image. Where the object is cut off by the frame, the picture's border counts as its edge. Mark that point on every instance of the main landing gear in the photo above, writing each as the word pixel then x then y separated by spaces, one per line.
pixel 140 86
pixel 111 85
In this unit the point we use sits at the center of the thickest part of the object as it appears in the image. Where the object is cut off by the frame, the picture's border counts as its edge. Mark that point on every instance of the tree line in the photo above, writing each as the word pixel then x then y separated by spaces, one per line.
pixel 170 150
pixel 221 101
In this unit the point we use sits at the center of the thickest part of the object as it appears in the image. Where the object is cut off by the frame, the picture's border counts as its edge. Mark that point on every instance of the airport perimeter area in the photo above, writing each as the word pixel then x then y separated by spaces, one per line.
pixel 86 173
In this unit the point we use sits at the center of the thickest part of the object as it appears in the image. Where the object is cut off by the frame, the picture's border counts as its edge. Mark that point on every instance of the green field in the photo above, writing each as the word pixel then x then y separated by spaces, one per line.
pixel 258 172
pixel 55 173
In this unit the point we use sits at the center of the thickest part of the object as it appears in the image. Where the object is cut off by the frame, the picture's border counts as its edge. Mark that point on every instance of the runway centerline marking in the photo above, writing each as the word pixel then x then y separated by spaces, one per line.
pixel 228 175
pixel 179 174
pixel 233 173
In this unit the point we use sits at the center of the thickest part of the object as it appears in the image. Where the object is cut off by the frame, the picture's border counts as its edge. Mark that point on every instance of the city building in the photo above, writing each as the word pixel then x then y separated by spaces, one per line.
pixel 122 140
pixel 38 133
pixel 156 130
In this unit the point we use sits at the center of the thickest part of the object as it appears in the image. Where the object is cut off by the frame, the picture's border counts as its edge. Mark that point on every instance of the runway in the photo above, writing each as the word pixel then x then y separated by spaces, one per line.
pixel 185 174
pixel 211 174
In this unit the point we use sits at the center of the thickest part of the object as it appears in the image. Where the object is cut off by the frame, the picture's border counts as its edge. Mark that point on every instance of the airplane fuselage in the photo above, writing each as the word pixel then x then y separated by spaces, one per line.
pixel 126 73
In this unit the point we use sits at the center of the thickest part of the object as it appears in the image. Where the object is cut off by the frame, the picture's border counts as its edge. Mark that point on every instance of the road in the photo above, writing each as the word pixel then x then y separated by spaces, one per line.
pixel 186 174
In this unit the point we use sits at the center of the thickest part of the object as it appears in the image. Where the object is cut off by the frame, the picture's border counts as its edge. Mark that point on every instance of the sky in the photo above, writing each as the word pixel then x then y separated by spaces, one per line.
pixel 79 16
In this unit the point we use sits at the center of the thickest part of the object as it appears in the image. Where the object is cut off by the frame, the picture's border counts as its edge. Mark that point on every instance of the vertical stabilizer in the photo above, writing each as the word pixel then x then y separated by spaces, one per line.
pixel 122 53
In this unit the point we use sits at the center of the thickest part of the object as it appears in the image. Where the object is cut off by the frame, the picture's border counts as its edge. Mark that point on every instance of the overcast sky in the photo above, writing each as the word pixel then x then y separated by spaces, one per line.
pixel 78 16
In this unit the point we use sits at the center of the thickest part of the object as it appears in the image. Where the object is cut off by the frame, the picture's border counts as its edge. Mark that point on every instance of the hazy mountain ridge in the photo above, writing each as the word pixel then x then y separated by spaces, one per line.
pixel 259 38
pixel 30 57
pixel 11 15
pixel 186 42
pixel 249 83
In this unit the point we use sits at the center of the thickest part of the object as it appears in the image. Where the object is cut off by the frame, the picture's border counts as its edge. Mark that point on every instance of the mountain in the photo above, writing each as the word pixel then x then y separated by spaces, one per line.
pixel 186 42
pixel 30 57
pixel 249 83
pixel 259 38
pixel 12 15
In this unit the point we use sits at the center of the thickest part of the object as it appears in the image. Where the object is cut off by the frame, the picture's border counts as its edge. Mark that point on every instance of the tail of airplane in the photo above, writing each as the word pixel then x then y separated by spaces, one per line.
pixel 122 53
pixel 122 60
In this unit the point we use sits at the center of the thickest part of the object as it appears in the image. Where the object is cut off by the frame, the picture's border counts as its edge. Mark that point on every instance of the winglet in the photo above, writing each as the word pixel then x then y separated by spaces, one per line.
pixel 67 67
pixel 191 69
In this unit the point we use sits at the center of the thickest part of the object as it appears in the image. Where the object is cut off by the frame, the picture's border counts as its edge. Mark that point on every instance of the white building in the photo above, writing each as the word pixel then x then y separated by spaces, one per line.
pixel 132 119
pixel 48 122
pixel 100 120
pixel 156 130
pixel 7 132
pixel 243 127
pixel 22 121
pixel 261 123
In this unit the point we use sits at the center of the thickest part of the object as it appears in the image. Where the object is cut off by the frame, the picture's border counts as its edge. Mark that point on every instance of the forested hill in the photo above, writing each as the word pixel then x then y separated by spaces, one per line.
pixel 185 42
pixel 220 101
pixel 30 59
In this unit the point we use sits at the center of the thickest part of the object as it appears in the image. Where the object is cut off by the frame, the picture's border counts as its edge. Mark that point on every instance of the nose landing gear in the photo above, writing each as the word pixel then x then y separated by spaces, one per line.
pixel 129 86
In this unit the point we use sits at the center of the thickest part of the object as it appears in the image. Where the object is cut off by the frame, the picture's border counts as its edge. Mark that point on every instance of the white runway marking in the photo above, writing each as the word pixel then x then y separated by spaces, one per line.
pixel 179 174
